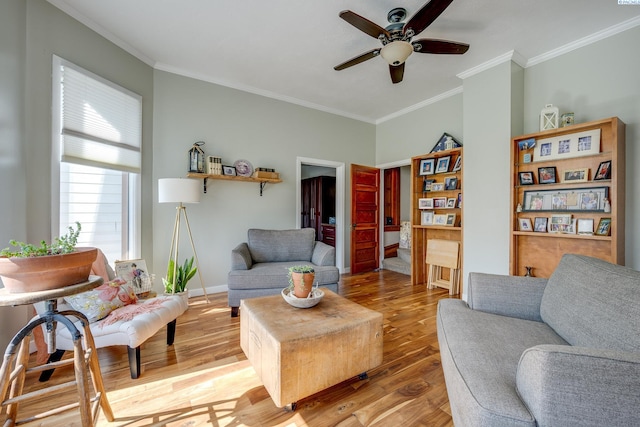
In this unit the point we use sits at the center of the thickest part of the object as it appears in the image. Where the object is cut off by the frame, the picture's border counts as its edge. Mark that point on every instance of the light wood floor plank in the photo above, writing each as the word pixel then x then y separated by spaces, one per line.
pixel 204 379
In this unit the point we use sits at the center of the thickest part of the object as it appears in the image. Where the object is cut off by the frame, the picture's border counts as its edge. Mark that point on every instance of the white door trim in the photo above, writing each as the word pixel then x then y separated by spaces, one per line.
pixel 340 192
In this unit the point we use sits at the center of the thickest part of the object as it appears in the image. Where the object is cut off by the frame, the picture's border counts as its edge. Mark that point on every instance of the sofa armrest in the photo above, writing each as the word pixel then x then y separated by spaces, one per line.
pixel 512 296
pixel 565 386
pixel 323 254
pixel 241 257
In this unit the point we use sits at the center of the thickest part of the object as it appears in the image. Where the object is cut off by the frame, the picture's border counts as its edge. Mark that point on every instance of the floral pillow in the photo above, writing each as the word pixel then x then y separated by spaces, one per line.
pixel 99 302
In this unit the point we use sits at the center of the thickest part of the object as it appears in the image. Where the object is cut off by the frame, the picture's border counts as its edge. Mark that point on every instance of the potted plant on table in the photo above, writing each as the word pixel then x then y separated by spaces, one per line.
pixel 178 276
pixel 31 268
pixel 301 278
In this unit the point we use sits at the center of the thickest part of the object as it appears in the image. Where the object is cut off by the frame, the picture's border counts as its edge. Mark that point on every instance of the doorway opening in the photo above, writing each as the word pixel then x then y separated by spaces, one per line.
pixel 324 181
pixel 395 229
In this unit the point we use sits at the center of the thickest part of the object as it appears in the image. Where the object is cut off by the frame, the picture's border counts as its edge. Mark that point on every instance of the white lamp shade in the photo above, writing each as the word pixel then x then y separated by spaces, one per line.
pixel 395 53
pixel 178 190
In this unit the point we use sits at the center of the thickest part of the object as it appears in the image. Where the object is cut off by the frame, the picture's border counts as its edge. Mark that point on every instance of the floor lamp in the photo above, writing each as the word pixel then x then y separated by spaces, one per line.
pixel 180 191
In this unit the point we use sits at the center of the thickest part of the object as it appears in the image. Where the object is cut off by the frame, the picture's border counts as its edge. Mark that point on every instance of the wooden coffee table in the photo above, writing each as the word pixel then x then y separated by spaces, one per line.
pixel 298 352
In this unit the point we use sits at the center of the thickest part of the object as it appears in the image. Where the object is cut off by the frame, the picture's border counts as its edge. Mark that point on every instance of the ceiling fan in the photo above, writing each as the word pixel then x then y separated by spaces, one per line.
pixel 396 37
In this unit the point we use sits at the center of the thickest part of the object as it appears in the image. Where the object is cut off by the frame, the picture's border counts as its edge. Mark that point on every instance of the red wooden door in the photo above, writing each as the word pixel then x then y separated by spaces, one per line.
pixel 365 214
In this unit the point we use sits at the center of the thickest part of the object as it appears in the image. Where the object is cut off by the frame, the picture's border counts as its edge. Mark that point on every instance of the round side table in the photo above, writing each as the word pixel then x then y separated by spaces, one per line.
pixel 85 360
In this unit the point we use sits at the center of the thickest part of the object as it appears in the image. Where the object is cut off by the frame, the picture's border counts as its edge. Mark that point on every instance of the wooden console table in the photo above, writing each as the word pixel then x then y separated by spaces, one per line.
pixel 15 367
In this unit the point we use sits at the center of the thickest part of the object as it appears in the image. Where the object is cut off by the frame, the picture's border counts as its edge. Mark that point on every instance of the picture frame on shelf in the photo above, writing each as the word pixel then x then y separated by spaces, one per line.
pixel 441 144
pixel 526 144
pixel 604 171
pixel 457 165
pixel 585 226
pixel 590 199
pixel 562 228
pixel 575 175
pixel 459 200
pixel 440 219
pixel 604 227
pixel 229 170
pixel 524 224
pixel 540 224
pixel 439 202
pixel 426 185
pixel 561 219
pixel 451 203
pixel 426 218
pixel 526 178
pixel 451 183
pixel 425 203
pixel 136 275
pixel 547 175
pixel 427 166
pixel 568 146
pixel 451 220
pixel 442 165
pixel 437 186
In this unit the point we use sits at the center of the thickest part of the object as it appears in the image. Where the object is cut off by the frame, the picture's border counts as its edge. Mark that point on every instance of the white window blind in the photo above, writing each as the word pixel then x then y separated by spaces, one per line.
pixel 101 122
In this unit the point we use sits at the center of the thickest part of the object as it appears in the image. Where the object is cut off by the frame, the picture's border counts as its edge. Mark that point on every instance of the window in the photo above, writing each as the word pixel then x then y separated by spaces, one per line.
pixel 97 128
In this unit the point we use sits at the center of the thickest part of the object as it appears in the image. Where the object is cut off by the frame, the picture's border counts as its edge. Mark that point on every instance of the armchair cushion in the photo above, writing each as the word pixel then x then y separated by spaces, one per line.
pixel 565 385
pixel 281 245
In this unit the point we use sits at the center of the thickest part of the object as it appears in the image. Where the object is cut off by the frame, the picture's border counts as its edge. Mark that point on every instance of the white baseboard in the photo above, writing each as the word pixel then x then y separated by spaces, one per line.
pixel 210 290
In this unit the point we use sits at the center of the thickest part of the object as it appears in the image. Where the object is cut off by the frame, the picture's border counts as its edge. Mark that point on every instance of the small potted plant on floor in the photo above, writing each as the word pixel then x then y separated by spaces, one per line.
pixel 178 276
pixel 30 268
pixel 301 278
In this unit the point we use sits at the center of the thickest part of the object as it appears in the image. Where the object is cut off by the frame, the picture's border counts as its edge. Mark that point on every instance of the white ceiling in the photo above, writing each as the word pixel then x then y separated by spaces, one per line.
pixel 286 49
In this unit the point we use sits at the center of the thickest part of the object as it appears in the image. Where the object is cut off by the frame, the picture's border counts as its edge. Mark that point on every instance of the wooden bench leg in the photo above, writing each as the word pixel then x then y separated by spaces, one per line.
pixel 171 331
pixel 134 361
pixel 56 356
pixel 235 311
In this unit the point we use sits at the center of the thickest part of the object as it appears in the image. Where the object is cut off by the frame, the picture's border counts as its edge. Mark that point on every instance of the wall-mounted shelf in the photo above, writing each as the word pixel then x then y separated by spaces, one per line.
pixel 261 181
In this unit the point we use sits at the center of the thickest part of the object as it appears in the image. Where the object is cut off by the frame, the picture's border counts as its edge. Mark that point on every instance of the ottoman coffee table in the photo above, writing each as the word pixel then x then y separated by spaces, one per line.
pixel 298 352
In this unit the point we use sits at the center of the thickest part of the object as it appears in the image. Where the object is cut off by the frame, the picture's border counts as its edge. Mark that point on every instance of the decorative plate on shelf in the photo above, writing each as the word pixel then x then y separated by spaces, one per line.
pixel 243 168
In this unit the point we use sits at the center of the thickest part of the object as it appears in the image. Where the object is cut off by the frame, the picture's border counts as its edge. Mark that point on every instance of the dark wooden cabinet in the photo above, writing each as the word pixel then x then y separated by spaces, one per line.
pixel 329 234
pixel 318 203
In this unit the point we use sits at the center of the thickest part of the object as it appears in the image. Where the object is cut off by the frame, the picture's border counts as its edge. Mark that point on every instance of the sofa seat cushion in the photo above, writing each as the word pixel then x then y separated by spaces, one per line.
pixel 274 275
pixel 483 350
pixel 281 245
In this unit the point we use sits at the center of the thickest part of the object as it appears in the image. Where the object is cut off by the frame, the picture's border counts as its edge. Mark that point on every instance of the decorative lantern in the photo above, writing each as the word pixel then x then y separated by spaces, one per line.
pixel 549 117
pixel 196 158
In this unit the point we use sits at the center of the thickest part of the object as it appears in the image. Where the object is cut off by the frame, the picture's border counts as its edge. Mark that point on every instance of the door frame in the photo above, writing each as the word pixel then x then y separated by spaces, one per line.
pixel 382 167
pixel 340 192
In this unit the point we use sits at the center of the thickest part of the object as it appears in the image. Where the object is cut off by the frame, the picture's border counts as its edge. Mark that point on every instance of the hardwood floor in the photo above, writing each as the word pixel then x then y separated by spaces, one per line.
pixel 204 379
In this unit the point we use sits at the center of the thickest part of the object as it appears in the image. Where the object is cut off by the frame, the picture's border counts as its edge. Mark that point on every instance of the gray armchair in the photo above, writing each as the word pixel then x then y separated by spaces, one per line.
pixel 259 266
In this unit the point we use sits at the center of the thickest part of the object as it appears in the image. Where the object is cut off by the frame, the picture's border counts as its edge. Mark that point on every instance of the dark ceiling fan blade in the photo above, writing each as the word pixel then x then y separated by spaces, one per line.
pixel 358 59
pixel 425 16
pixel 397 72
pixel 439 46
pixel 363 24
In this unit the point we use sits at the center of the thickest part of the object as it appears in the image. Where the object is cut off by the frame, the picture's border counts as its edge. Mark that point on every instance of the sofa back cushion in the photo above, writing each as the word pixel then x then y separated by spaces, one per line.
pixel 592 303
pixel 281 245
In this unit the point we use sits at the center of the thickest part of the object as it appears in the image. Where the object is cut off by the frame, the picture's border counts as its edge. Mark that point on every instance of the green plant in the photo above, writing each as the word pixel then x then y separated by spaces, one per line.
pixel 61 245
pixel 183 273
pixel 299 269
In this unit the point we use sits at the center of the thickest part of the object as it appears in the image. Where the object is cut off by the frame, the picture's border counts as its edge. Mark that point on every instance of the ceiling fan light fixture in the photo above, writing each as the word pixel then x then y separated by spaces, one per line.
pixel 395 53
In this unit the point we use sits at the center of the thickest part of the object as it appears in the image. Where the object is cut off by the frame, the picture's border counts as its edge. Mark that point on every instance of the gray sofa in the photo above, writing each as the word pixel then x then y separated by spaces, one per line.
pixel 260 265
pixel 536 352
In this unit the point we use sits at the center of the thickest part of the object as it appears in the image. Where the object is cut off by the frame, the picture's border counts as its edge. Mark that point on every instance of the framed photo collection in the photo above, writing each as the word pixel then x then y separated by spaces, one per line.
pixel 568 146
pixel 573 199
